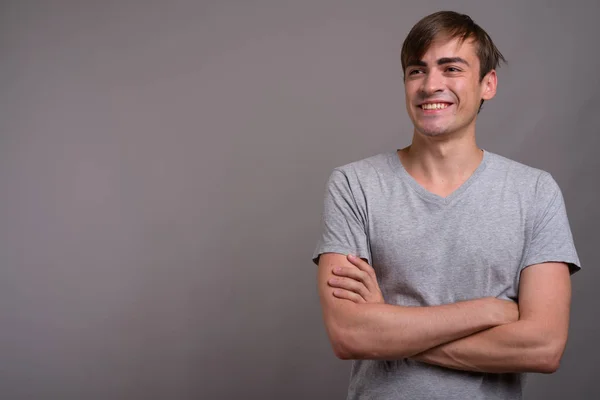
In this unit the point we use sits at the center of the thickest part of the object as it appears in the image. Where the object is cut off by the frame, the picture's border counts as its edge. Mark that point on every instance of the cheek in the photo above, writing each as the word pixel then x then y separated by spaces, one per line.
pixel 407 97
pixel 411 89
pixel 408 103
pixel 467 95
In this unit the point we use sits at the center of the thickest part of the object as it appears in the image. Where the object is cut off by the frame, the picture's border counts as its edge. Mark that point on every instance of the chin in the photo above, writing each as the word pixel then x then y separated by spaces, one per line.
pixel 432 131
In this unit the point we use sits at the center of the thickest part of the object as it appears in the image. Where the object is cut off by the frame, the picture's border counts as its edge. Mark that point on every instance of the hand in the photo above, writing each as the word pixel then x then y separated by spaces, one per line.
pixel 358 283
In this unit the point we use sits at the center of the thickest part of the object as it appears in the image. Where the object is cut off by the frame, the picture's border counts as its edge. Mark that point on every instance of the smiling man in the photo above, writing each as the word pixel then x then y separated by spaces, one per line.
pixel 444 269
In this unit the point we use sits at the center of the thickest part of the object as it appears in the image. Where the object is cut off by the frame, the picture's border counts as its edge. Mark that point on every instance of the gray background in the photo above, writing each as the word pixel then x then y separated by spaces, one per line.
pixel 162 172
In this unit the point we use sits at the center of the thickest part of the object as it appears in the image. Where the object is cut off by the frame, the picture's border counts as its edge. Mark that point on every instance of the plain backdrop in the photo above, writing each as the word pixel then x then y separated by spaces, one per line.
pixel 163 167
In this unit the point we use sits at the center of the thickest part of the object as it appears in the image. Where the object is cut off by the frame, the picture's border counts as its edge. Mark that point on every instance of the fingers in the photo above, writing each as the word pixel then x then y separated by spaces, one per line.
pixel 353 273
pixel 364 272
pixel 362 265
pixel 348 295
pixel 349 285
pixel 359 262
pixel 357 283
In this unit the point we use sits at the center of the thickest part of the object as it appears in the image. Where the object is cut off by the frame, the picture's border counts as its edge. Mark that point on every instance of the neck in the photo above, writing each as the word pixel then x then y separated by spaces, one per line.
pixel 441 160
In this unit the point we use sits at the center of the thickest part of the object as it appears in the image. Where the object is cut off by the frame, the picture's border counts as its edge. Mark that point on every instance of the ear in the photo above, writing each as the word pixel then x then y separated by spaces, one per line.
pixel 489 85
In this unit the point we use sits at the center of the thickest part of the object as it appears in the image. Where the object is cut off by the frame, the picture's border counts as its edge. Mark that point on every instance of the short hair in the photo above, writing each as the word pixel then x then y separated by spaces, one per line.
pixel 453 25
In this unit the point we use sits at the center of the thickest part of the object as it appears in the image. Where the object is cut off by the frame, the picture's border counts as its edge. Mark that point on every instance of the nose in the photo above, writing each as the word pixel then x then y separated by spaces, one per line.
pixel 433 83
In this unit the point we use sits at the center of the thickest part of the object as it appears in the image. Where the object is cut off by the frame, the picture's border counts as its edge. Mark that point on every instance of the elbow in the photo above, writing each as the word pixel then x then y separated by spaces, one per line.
pixel 343 333
pixel 342 344
pixel 348 343
pixel 342 352
pixel 549 361
pixel 349 337
pixel 548 367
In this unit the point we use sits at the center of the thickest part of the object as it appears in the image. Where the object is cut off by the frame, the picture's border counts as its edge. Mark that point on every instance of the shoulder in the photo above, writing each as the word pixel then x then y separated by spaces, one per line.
pixel 503 164
pixel 366 177
pixel 521 176
pixel 367 168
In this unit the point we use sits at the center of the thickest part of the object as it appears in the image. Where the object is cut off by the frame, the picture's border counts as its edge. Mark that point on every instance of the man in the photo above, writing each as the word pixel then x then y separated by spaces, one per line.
pixel 461 277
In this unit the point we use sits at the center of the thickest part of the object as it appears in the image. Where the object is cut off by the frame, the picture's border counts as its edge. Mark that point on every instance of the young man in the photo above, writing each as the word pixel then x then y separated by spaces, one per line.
pixel 461 280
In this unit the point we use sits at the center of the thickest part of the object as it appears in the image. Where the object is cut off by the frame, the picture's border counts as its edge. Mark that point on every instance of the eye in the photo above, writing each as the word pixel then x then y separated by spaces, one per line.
pixel 453 69
pixel 415 71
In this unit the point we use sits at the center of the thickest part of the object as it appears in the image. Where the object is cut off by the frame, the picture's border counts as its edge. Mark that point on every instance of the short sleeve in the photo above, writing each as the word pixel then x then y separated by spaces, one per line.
pixel 343 225
pixel 551 238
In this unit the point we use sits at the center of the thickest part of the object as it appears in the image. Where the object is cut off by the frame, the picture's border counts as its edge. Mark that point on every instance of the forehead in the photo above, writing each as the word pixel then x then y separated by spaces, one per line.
pixel 444 47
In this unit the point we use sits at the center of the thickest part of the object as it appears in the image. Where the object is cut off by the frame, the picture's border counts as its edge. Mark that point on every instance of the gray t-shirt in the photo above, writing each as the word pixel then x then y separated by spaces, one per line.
pixel 428 250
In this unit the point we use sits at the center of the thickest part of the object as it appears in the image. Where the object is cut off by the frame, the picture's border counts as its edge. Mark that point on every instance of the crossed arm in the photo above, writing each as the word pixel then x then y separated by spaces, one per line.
pixel 486 335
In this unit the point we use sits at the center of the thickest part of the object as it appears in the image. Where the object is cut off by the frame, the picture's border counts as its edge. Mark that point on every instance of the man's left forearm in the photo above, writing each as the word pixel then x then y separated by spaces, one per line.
pixel 522 346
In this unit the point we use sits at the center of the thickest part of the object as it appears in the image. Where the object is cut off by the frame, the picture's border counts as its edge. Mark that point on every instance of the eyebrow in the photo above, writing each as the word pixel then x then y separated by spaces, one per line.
pixel 441 61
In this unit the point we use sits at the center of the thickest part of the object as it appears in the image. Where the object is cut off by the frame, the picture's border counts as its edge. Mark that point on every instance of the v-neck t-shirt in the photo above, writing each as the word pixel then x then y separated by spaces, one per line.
pixel 430 250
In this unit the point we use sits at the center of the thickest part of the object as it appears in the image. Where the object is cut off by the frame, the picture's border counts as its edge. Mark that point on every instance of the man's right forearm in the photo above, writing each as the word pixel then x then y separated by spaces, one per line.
pixel 383 331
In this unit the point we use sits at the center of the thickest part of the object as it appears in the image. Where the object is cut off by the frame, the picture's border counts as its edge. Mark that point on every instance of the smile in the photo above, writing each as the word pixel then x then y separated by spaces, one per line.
pixel 434 106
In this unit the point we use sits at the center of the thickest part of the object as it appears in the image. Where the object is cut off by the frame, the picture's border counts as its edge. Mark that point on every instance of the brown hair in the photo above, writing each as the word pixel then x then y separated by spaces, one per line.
pixel 453 25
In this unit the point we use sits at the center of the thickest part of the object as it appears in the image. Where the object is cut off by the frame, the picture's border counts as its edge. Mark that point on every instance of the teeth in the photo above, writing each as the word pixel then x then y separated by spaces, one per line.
pixel 434 106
